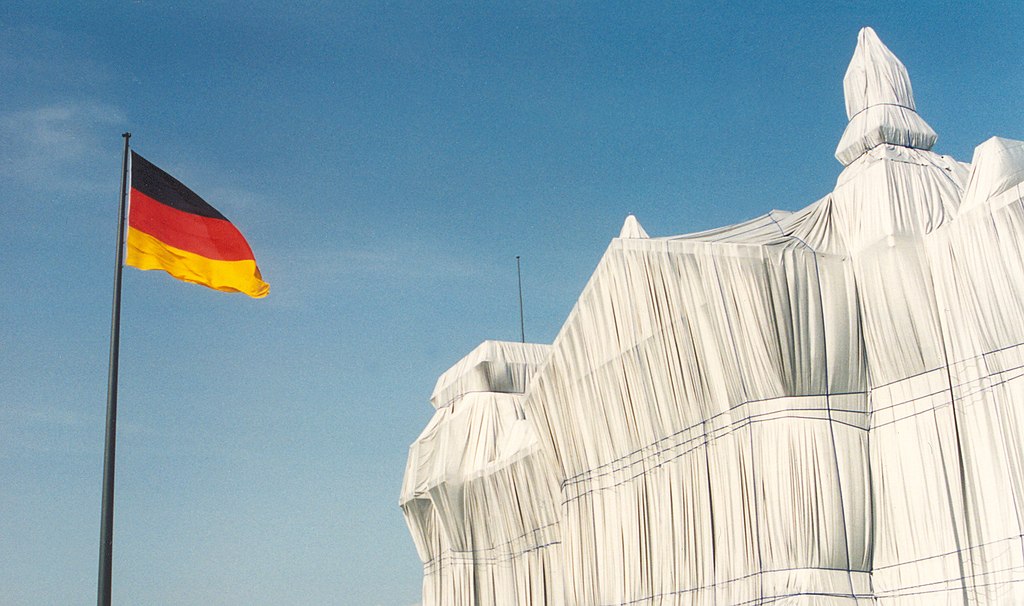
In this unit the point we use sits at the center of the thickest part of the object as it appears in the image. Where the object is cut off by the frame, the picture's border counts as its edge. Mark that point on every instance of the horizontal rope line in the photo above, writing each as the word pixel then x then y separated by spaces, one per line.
pixel 954 363
pixel 945 403
pixel 949 553
pixel 731 410
pixel 517 538
pixel 704 441
pixel 900 105
pixel 747 577
pixel 469 557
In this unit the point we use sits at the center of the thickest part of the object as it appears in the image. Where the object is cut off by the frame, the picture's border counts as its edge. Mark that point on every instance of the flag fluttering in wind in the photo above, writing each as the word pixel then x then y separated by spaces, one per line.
pixel 169 228
pixel 173 229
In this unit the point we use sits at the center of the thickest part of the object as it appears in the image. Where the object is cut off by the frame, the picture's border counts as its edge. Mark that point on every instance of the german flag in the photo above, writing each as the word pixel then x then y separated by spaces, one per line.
pixel 173 229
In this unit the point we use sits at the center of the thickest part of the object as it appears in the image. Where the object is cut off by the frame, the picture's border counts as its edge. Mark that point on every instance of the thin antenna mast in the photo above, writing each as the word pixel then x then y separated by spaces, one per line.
pixel 522 325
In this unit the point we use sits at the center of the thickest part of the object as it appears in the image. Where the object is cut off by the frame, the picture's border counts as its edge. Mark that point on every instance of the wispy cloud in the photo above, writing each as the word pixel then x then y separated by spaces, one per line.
pixel 54 146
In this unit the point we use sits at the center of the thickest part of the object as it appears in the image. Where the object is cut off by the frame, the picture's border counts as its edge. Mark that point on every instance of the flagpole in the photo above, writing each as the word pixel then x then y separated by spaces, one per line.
pixel 107 519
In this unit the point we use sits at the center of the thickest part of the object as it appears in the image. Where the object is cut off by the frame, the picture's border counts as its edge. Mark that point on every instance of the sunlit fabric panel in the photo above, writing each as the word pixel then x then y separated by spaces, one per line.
pixel 702 442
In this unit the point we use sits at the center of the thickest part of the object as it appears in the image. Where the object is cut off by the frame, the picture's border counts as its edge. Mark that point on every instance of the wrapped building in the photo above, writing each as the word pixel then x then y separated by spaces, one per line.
pixel 815 407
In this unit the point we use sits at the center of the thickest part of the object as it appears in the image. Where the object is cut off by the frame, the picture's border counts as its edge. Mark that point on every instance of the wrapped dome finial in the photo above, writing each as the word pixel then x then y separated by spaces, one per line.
pixel 631 229
pixel 879 102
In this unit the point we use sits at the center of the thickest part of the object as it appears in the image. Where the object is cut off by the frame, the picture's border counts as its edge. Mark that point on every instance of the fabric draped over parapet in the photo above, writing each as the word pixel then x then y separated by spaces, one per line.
pixel 817 407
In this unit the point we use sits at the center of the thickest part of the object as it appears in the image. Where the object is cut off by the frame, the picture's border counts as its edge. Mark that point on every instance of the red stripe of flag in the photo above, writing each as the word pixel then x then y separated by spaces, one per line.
pixel 212 238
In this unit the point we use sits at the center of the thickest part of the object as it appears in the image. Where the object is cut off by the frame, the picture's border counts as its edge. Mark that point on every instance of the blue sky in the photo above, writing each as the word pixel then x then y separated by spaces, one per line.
pixel 387 162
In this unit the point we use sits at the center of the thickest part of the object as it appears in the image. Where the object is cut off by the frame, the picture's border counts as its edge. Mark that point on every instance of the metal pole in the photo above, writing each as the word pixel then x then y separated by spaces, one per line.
pixel 107 519
pixel 522 326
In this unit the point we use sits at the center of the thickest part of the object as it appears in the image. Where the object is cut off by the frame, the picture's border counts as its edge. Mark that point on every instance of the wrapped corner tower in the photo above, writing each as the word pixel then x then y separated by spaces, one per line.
pixel 819 407
pixel 479 497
